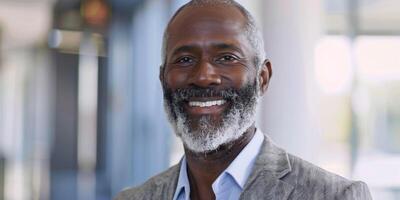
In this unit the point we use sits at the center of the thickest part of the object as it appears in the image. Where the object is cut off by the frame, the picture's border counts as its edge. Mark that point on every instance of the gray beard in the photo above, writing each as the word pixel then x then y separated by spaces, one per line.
pixel 208 136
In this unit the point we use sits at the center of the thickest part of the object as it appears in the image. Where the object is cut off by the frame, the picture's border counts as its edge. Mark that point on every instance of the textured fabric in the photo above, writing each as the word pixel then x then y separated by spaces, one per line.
pixel 228 185
pixel 276 175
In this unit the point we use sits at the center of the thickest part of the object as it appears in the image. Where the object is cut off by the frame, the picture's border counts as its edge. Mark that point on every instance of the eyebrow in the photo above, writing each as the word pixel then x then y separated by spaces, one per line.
pixel 219 46
pixel 225 46
pixel 183 48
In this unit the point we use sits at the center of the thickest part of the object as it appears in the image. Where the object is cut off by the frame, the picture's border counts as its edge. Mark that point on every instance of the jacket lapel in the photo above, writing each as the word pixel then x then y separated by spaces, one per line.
pixel 165 186
pixel 270 166
pixel 172 181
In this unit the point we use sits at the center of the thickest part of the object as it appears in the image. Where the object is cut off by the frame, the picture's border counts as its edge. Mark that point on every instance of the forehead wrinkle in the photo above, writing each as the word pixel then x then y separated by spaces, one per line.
pixel 205 36
pixel 205 43
pixel 205 25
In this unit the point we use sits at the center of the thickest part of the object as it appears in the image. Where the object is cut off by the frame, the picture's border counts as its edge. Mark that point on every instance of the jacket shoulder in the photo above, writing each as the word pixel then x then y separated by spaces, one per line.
pixel 313 182
pixel 305 173
pixel 161 184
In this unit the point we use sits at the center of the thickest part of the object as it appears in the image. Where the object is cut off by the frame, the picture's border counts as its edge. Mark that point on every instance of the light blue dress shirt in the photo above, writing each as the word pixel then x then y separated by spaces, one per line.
pixel 229 184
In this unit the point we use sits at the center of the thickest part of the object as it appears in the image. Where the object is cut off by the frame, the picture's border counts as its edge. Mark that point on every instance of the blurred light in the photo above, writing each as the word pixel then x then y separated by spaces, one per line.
pixel 333 71
pixel 95 12
pixel 378 57
pixel 24 25
pixel 65 41
pixel 55 38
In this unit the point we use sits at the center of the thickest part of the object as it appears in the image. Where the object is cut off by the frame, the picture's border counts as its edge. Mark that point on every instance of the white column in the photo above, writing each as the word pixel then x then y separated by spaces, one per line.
pixel 291 30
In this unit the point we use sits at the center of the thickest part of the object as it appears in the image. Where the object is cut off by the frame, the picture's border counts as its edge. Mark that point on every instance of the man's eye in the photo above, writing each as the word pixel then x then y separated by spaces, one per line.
pixel 184 60
pixel 227 59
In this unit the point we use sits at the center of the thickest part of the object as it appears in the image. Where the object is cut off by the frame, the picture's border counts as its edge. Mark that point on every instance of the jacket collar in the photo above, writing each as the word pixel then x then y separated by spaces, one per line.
pixel 165 183
pixel 272 164
pixel 272 160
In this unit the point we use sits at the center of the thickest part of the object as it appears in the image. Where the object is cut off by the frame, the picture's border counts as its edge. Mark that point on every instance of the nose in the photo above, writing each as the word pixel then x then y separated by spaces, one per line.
pixel 204 75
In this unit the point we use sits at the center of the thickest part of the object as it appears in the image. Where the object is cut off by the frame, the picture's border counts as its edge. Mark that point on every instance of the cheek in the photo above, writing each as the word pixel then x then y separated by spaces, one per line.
pixel 238 77
pixel 175 79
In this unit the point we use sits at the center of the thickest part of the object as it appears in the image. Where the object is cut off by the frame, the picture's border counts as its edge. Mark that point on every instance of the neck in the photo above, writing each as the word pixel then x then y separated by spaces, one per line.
pixel 204 168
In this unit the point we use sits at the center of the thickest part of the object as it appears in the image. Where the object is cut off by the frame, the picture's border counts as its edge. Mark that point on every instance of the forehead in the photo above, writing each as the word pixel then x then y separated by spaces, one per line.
pixel 219 14
pixel 207 24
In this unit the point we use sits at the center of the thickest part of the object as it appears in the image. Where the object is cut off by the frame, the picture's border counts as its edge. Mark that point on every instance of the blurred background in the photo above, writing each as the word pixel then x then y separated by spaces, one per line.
pixel 81 113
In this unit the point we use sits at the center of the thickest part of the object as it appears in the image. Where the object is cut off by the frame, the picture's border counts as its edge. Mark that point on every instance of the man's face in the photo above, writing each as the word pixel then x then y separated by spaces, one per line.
pixel 209 79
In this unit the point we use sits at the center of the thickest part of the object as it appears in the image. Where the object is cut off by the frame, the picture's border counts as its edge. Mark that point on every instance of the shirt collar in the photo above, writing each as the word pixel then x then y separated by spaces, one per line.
pixel 241 166
pixel 239 169
pixel 183 185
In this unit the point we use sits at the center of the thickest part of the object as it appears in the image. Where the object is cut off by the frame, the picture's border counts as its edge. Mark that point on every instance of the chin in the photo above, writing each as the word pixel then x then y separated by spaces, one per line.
pixel 208 136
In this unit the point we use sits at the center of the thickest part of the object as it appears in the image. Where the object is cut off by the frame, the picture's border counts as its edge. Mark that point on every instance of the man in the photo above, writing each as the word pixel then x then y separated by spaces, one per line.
pixel 213 75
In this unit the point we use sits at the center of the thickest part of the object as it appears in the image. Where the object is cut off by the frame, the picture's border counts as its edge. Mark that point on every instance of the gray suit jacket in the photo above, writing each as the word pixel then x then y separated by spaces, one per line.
pixel 276 175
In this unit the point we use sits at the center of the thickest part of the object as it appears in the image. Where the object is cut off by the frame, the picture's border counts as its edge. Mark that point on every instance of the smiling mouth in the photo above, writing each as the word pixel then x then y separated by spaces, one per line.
pixel 206 106
pixel 203 104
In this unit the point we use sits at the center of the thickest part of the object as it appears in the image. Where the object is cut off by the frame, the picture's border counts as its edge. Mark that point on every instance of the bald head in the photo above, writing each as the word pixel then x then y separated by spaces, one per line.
pixel 249 27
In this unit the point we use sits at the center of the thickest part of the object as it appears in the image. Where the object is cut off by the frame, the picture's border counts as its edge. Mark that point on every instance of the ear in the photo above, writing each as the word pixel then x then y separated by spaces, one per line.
pixel 265 76
pixel 161 74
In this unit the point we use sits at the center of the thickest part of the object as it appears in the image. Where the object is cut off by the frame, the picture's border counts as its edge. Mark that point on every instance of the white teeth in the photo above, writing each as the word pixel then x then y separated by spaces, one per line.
pixel 206 103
